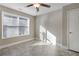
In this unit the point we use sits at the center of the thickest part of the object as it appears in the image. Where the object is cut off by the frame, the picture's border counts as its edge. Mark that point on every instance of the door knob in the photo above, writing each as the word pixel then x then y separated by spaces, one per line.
pixel 70 32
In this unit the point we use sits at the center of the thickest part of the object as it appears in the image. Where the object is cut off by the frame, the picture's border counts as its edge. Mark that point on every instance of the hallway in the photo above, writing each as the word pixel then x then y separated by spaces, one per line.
pixel 36 48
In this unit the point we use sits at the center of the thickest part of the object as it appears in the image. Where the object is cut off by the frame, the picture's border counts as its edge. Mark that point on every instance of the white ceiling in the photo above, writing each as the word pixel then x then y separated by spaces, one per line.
pixel 31 10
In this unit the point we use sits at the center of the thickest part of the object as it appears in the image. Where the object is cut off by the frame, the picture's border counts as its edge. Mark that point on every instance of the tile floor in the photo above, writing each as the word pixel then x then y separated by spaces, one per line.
pixel 36 48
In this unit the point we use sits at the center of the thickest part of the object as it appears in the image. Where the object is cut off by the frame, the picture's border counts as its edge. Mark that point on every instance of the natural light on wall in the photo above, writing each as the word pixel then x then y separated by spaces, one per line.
pixel 51 38
pixel 47 36
pixel 42 30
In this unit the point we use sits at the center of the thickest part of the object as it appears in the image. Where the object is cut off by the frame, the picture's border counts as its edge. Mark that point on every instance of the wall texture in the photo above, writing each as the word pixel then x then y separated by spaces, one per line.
pixel 51 22
pixel 19 38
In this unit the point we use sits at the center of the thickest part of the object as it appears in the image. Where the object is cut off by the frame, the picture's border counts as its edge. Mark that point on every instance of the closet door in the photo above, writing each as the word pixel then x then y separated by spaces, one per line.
pixel 73 18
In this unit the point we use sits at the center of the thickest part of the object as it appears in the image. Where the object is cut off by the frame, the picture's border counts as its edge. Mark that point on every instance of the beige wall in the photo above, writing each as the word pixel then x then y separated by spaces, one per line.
pixel 15 39
pixel 51 22
pixel 56 22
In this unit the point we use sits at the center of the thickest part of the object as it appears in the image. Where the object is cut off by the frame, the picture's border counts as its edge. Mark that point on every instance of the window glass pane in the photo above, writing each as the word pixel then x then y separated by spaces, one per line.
pixel 11 31
pixel 9 26
pixel 27 32
pixel 10 21
pixel 21 30
pixel 22 22
pixel 23 26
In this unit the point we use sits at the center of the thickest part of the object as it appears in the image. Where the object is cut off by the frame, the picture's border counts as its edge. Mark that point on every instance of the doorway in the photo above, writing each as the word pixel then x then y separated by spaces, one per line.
pixel 73 29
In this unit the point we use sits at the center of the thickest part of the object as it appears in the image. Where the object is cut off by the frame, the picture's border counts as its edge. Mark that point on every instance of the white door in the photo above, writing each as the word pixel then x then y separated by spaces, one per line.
pixel 73 18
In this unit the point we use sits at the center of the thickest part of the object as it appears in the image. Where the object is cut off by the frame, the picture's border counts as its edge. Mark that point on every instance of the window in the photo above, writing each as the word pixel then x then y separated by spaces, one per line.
pixel 23 26
pixel 14 25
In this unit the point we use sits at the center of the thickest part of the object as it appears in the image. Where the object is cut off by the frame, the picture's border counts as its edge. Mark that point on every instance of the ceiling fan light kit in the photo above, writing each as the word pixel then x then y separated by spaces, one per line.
pixel 37 5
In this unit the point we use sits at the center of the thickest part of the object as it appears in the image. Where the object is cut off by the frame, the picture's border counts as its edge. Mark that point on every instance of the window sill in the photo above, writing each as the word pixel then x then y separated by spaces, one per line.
pixel 14 36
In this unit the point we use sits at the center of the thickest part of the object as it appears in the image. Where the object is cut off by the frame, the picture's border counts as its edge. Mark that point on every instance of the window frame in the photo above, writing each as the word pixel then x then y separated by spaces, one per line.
pixel 26 25
pixel 17 16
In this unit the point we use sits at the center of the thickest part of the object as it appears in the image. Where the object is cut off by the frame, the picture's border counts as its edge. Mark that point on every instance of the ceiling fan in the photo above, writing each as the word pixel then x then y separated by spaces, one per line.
pixel 37 5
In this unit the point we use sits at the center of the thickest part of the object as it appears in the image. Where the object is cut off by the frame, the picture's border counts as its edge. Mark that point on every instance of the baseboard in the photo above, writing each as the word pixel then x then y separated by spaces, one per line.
pixel 8 45
pixel 61 46
pixel 37 39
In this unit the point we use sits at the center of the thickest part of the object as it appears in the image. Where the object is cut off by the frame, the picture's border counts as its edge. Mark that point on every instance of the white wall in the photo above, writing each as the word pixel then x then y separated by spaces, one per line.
pixel 51 22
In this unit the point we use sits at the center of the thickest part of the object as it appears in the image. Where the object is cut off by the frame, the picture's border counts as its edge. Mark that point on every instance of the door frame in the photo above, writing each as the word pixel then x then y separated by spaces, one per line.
pixel 68 34
pixel 68 41
pixel 65 21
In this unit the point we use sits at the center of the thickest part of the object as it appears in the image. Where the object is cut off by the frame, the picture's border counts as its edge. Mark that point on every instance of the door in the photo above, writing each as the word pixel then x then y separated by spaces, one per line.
pixel 73 18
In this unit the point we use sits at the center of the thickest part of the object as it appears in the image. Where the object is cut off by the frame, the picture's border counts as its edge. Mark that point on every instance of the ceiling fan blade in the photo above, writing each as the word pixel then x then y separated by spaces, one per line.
pixel 29 5
pixel 37 9
pixel 45 5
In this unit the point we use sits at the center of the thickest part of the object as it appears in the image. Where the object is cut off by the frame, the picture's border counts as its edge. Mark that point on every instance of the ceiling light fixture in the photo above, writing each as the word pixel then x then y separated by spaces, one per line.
pixel 36 5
